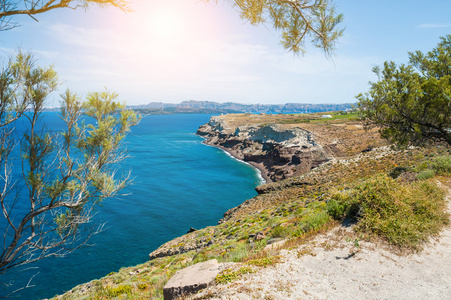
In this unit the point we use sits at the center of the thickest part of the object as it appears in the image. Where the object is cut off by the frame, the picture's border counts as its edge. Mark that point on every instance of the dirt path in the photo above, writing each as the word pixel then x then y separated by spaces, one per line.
pixel 333 266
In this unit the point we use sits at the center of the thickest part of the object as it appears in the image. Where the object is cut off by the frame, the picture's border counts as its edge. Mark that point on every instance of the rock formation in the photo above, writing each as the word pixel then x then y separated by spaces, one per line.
pixel 277 151
pixel 191 279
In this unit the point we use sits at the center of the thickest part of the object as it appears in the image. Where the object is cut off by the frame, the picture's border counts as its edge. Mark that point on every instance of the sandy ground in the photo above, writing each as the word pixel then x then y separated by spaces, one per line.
pixel 333 266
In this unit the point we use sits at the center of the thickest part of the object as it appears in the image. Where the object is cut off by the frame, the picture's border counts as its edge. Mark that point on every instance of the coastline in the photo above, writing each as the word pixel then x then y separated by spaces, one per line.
pixel 279 152
pixel 262 180
pixel 261 171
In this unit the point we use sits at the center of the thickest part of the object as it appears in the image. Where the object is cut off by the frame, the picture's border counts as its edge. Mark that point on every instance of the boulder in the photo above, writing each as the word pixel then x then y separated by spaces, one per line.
pixel 191 280
pixel 274 244
pixel 191 229
pixel 260 236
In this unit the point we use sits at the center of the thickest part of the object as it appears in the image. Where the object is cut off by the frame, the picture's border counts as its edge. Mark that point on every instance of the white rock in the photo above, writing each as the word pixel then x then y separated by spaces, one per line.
pixel 191 279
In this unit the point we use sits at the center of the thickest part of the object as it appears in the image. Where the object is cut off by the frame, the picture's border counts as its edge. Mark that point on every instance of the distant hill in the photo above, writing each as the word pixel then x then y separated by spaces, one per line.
pixel 209 107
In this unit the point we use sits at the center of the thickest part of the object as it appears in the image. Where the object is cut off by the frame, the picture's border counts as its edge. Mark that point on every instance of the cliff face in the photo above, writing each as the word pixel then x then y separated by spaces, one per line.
pixel 278 152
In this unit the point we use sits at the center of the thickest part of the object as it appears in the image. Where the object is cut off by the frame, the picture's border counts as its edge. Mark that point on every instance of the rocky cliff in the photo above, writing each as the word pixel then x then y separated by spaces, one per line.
pixel 279 152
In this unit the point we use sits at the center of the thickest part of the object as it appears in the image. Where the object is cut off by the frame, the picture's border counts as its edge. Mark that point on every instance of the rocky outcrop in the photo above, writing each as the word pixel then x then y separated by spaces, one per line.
pixel 185 243
pixel 191 280
pixel 278 152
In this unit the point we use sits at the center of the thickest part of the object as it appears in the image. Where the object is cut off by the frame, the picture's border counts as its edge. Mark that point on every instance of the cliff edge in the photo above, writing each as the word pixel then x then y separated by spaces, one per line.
pixel 280 146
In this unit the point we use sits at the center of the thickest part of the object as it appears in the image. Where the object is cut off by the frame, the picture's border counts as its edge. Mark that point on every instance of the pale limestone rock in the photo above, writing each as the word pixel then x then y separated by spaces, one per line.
pixel 191 279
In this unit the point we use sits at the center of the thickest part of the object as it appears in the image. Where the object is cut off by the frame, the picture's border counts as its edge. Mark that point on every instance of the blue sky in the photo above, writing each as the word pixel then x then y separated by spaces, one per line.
pixel 176 50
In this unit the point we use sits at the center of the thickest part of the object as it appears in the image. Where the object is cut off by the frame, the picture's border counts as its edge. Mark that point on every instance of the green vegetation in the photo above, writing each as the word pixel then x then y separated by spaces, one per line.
pixel 316 118
pixel 265 261
pixel 442 165
pixel 412 103
pixel 406 215
pixel 296 20
pixel 342 115
pixel 64 174
pixel 231 275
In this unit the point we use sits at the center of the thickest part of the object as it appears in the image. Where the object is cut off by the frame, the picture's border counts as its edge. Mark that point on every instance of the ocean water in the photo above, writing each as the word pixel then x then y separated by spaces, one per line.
pixel 178 183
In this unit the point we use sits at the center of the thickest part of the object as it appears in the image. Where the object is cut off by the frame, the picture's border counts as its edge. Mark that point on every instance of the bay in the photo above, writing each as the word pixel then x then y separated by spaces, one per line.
pixel 178 183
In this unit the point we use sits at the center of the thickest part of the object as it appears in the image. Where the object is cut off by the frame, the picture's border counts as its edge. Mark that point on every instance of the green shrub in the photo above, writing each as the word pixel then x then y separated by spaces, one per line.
pixel 265 261
pixel 279 231
pixel 442 164
pixel 426 174
pixel 238 253
pixel 421 166
pixel 317 219
pixel 230 275
pixel 274 221
pixel 405 215
pixel 342 206
pixel 142 286
pixel 119 290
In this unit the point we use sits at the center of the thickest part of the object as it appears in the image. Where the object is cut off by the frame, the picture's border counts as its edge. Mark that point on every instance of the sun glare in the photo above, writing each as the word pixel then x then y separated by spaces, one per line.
pixel 165 24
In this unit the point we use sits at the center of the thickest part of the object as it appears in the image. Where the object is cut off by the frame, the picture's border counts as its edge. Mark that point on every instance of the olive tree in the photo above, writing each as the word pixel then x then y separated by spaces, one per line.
pixel 412 103
pixel 51 181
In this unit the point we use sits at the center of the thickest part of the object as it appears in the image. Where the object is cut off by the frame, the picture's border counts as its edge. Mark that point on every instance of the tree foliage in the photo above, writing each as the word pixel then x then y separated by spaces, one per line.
pixel 47 207
pixel 412 103
pixel 9 8
pixel 298 21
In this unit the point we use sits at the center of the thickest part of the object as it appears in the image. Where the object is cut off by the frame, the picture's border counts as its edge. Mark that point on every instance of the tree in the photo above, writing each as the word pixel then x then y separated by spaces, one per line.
pixel 47 208
pixel 412 103
pixel 297 20
pixel 9 8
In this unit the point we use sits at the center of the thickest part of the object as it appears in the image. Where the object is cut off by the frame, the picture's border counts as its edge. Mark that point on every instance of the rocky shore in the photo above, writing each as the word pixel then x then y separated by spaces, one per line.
pixel 277 151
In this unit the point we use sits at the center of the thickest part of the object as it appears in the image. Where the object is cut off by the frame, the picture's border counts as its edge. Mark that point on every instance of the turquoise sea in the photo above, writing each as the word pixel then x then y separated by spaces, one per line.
pixel 178 183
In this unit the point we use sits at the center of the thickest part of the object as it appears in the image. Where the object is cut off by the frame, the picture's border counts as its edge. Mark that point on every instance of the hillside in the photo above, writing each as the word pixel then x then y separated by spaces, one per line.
pixel 283 146
pixel 358 171
pixel 210 107
pixel 340 265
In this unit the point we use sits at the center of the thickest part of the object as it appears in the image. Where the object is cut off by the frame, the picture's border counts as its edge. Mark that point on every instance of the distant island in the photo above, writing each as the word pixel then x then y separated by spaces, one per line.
pixel 210 107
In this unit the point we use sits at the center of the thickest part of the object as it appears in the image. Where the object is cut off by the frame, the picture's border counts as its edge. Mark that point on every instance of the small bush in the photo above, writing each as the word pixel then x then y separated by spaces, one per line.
pixel 230 275
pixel 442 164
pixel 119 290
pixel 318 219
pixel 426 174
pixel 238 253
pixel 265 261
pixel 342 206
pixel 142 286
pixel 279 231
pixel 274 221
pixel 422 166
pixel 405 215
